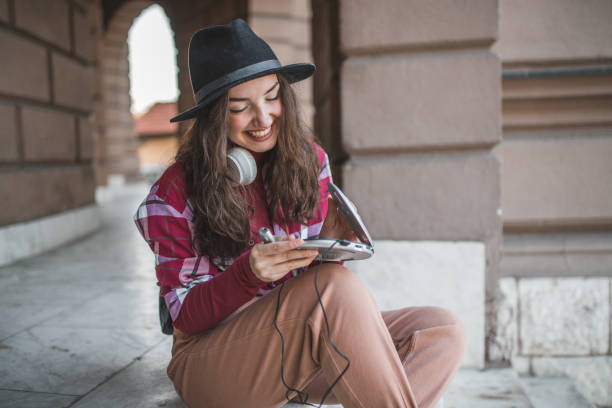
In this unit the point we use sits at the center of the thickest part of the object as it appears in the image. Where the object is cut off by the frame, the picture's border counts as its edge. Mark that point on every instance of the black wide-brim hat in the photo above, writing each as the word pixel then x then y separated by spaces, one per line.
pixel 224 56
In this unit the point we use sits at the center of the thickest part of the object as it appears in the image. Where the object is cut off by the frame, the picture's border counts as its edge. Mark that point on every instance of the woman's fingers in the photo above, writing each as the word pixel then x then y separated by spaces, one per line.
pixel 272 261
pixel 281 269
pixel 280 246
pixel 290 256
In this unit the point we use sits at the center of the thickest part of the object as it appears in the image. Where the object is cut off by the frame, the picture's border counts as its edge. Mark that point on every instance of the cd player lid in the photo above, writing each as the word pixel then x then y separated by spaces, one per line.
pixel 349 213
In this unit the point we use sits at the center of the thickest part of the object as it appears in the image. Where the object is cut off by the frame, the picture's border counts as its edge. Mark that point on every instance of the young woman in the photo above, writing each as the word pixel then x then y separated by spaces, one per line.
pixel 257 324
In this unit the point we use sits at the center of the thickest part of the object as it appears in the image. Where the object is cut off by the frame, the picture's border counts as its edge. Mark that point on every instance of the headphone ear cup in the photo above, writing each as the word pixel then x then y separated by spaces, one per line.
pixel 241 166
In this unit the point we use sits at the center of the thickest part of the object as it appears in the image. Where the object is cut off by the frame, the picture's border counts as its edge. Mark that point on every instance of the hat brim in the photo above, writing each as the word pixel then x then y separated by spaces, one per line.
pixel 293 73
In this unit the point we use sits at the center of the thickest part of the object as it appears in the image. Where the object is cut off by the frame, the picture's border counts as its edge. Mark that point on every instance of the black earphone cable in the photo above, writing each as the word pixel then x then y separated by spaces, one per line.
pixel 303 395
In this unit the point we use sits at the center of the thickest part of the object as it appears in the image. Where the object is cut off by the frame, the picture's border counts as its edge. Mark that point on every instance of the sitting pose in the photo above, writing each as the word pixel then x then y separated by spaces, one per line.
pixel 257 324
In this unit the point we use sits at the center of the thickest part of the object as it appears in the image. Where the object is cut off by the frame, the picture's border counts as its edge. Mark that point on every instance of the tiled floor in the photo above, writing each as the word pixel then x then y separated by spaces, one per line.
pixel 80 329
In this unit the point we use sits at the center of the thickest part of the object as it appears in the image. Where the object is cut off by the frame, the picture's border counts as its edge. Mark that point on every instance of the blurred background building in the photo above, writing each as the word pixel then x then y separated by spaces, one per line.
pixel 474 136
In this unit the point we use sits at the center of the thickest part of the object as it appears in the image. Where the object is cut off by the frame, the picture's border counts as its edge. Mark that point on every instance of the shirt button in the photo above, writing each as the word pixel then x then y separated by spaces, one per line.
pixel 251 242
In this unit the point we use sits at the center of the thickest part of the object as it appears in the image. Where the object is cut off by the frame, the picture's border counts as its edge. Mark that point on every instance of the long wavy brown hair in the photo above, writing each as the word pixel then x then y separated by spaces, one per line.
pixel 220 208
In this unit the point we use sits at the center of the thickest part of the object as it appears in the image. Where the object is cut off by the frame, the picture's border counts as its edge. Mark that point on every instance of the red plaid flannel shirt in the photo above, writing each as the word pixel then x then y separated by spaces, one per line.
pixel 216 287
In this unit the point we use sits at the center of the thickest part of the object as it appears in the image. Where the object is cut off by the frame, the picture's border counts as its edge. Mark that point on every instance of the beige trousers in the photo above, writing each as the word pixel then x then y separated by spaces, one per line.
pixel 400 358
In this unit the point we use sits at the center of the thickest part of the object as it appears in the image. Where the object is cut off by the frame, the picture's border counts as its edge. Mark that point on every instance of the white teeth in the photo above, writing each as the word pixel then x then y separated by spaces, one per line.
pixel 259 133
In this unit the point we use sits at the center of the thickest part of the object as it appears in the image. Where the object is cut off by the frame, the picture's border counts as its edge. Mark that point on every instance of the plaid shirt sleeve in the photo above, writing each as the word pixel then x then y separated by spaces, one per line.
pixel 164 220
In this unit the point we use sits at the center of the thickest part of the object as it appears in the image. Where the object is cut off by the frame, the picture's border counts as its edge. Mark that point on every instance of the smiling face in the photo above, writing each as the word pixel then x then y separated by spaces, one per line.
pixel 254 113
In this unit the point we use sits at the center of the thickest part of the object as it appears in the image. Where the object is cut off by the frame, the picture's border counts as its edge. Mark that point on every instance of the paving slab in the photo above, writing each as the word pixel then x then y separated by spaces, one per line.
pixel 25 399
pixel 68 361
pixel 142 384
pixel 492 388
pixel 553 392
pixel 130 306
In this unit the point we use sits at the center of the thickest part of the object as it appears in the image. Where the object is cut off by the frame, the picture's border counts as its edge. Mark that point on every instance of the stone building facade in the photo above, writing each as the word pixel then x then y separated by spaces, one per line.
pixel 475 138
pixel 47 99
pixel 556 172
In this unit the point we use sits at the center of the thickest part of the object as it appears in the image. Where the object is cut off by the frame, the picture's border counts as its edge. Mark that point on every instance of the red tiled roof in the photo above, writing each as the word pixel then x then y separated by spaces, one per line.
pixel 156 121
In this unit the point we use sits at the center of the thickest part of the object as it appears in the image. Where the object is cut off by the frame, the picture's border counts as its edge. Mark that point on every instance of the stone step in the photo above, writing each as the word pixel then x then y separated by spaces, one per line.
pixel 553 392
pixel 490 388
pixel 473 388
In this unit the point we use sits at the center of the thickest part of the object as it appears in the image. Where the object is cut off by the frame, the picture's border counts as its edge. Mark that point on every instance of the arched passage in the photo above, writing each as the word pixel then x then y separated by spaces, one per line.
pixel 117 145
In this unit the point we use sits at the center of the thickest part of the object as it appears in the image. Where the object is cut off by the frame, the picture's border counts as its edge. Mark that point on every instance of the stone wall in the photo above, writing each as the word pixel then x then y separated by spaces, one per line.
pixel 419 108
pixel 186 17
pixel 117 143
pixel 554 311
pixel 46 103
pixel 286 26
pixel 559 326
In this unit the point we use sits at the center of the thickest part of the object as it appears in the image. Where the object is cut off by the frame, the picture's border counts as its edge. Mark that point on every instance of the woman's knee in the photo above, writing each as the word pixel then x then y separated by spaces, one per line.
pixel 455 335
pixel 341 282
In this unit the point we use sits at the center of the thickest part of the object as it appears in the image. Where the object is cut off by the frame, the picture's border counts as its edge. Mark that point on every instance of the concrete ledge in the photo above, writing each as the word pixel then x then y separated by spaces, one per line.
pixel 25 239
pixel 431 273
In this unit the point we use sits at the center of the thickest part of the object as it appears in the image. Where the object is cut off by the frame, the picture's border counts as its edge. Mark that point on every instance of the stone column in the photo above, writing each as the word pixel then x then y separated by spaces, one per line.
pixel 420 115
pixel 119 156
pixel 187 17
pixel 556 190
pixel 286 26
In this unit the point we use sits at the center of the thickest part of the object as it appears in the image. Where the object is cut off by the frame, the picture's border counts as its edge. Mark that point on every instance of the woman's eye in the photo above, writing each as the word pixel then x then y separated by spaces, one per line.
pixel 274 98
pixel 238 110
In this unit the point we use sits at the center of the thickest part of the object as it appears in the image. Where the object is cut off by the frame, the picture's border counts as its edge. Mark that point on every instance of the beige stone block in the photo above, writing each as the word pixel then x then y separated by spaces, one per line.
pixel 557 254
pixel 366 24
pixel 285 29
pixel 402 273
pixel 580 327
pixel 72 83
pixel 24 240
pixel 82 40
pixel 307 115
pixel 283 51
pixel 425 197
pixel 300 33
pixel 25 73
pixel 296 8
pixel 116 81
pixel 50 190
pixel 590 375
pixel 555 87
pixel 47 20
pixel 557 264
pixel 548 112
pixel 303 90
pixel 554 30
pixel 4 10
pixel 48 135
pixel 85 138
pixel 504 340
pixel 421 101
pixel 276 7
pixel 268 27
pixel 115 59
pixel 301 54
pixel 302 9
pixel 115 148
pixel 120 117
pixel 556 177
pixel 8 133
pixel 521 365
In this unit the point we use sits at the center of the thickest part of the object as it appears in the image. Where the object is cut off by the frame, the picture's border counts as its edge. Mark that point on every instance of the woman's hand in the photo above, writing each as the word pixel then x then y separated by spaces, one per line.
pixel 270 262
pixel 335 226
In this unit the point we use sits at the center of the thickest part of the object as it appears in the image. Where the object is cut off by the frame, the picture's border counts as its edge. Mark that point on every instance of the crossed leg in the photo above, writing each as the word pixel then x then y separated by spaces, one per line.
pixel 430 342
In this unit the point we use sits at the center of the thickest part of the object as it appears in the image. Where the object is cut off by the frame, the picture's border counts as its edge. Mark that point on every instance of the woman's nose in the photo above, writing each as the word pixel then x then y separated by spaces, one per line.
pixel 263 117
